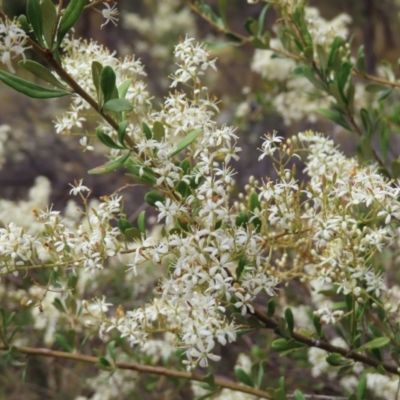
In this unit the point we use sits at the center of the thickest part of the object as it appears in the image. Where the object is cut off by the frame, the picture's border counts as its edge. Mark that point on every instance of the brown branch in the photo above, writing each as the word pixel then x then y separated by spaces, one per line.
pixel 146 369
pixel 321 344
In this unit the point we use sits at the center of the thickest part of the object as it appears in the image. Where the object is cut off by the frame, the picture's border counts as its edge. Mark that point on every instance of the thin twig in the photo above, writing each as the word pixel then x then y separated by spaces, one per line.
pixel 146 369
pixel 321 344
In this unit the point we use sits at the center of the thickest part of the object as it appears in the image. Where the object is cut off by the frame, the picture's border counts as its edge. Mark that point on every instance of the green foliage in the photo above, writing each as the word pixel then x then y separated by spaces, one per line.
pixel 30 89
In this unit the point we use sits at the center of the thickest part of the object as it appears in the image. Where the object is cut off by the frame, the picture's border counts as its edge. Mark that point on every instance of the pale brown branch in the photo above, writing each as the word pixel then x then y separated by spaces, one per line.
pixel 270 323
pixel 146 369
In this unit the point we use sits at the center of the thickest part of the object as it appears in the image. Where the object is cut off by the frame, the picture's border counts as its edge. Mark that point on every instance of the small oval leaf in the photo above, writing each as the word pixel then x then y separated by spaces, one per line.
pixel 121 131
pixel 110 166
pixel 107 83
pixel 375 344
pixel 142 222
pixel 147 131
pixel 69 18
pixel 159 131
pixel 106 140
pixel 96 72
pixel 123 88
pixel 34 13
pixel 117 105
pixel 151 198
pixel 41 72
pixel 186 141
pixel 49 14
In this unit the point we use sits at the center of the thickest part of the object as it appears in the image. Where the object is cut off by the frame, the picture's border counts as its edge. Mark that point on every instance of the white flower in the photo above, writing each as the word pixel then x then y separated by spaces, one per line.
pixel 78 188
pixel 327 315
pixel 244 303
pixel 202 353
pixel 269 146
pixel 110 13
pixel 12 40
pixel 84 143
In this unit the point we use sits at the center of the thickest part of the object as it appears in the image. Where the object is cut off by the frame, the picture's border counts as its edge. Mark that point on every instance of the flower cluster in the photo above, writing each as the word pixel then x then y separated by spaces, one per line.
pixel 12 41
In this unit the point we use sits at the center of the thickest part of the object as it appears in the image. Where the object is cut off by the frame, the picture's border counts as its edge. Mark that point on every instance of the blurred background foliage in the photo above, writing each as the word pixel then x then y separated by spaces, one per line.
pixel 149 29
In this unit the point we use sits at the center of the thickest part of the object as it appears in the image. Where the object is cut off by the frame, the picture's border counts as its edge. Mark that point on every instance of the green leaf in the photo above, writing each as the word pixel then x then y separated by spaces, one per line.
pixel 34 13
pixel 261 19
pixel 242 219
pixel 62 342
pixel 208 11
pixel 151 198
pixel 334 56
pixel 133 233
pixel 297 395
pixel 395 169
pixel 251 26
pixel 240 267
pixel 344 73
pixel 72 281
pixel 336 359
pixel 381 369
pixel 362 387
pixel 186 141
pixel 23 375
pixel 243 377
pixel 142 222
pixel 289 319
pixel 311 75
pixel 123 88
pixel 285 344
pixel 121 131
pixel 375 344
pixel 111 349
pixel 59 305
pixel 9 319
pixel 30 89
pixel 361 60
pixel 366 121
pixel 279 394
pixel 158 131
pixel 24 23
pixel 117 105
pixel 375 87
pixel 254 202
pixel 223 7
pixel 317 325
pixel 69 18
pixel 209 379
pixel 96 72
pixel 234 39
pixel 41 72
pixel 366 148
pixel 124 224
pixel 270 308
pixel 257 43
pixel 282 387
pixel 147 131
pixel 337 118
pixel 384 141
pixel 140 172
pixel 260 374
pixel 385 94
pixel 107 83
pixel 106 140
pixel 110 166
pixel 49 14
pixel 104 364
